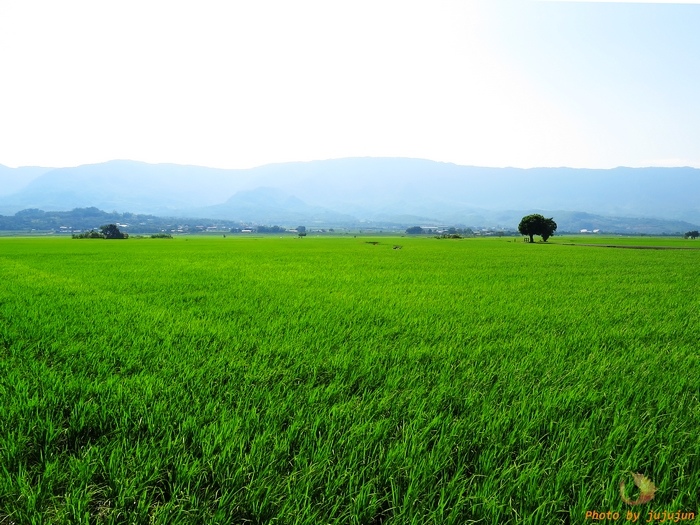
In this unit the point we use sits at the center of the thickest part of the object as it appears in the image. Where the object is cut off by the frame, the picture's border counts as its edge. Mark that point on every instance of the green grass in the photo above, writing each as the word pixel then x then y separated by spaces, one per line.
pixel 327 380
pixel 627 241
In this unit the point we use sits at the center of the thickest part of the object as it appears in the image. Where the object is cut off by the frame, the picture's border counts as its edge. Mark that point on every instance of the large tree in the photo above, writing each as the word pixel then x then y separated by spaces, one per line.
pixel 110 231
pixel 537 224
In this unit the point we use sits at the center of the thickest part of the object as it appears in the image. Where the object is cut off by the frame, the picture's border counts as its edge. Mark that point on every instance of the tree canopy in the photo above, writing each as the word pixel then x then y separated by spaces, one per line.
pixel 110 231
pixel 271 229
pixel 537 224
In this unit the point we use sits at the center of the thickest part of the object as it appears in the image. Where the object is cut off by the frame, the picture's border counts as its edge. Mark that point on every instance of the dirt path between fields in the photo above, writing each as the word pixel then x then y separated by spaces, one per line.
pixel 630 247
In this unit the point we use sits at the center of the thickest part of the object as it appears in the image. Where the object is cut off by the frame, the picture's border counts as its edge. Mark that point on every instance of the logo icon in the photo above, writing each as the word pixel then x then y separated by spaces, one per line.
pixel 646 490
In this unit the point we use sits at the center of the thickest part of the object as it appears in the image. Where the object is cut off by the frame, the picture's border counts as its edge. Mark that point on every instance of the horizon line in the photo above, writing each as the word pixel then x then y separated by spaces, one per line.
pixel 187 164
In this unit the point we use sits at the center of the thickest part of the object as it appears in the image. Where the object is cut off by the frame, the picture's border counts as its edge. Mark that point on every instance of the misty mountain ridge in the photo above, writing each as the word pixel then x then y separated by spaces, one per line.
pixel 393 191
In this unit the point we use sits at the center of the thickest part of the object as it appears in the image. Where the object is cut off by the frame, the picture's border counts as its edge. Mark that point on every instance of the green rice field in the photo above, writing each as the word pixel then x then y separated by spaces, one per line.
pixel 341 380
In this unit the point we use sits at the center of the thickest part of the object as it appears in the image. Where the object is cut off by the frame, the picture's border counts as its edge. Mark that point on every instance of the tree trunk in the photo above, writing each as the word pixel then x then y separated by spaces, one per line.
pixel 531 239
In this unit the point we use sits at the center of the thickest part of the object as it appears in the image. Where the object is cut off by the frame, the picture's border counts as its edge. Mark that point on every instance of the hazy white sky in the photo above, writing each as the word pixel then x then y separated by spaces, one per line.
pixel 235 84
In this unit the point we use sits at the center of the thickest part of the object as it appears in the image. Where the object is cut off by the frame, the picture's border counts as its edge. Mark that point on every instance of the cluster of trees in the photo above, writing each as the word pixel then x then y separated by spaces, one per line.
pixel 417 230
pixel 691 234
pixel 92 234
pixel 108 231
pixel 84 219
pixel 300 230
pixel 271 229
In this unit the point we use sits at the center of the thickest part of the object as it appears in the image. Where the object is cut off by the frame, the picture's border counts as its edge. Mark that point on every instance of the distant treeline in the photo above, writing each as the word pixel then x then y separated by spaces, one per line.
pixel 268 229
pixel 86 219
pixel 79 222
pixel 417 230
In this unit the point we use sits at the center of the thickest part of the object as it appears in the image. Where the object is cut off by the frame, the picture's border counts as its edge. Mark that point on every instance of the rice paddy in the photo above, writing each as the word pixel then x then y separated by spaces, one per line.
pixel 332 380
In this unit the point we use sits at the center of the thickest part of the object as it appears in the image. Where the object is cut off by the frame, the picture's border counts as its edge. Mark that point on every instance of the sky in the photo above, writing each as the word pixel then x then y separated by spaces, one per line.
pixel 238 83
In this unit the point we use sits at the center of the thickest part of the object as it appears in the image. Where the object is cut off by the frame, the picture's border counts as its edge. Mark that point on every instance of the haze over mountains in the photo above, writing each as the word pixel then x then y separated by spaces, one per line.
pixel 383 191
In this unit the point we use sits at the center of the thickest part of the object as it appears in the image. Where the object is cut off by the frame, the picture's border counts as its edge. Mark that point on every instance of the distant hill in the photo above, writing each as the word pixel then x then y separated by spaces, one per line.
pixel 13 180
pixel 391 191
pixel 271 206
pixel 123 185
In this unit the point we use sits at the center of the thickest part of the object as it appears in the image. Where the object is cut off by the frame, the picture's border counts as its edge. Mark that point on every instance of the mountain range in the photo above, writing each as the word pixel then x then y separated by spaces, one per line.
pixel 391 192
